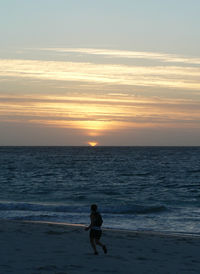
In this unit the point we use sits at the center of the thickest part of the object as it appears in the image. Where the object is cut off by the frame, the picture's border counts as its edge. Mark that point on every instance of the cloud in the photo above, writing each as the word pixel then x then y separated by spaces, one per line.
pixel 98 98
pixel 143 76
pixel 96 116
pixel 164 57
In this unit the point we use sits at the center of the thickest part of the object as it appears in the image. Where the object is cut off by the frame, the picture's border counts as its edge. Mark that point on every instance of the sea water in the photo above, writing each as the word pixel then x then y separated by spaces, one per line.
pixel 136 188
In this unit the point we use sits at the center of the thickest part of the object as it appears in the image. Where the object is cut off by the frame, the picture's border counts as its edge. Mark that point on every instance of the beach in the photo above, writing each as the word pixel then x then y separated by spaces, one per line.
pixel 37 248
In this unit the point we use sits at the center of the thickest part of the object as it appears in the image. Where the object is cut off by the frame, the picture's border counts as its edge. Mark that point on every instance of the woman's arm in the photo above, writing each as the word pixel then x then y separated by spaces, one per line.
pixel 91 222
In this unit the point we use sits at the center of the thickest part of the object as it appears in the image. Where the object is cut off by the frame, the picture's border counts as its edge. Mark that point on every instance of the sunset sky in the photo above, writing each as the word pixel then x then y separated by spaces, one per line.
pixel 107 72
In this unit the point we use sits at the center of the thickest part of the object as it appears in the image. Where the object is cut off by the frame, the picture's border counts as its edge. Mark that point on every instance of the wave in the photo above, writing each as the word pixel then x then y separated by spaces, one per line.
pixel 23 206
pixel 136 209
pixel 194 171
pixel 107 209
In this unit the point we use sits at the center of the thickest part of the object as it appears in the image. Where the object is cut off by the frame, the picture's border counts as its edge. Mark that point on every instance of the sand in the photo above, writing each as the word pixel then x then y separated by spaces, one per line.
pixel 37 248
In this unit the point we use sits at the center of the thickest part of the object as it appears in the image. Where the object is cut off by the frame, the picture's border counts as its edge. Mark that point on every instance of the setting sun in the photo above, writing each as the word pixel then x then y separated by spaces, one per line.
pixel 92 144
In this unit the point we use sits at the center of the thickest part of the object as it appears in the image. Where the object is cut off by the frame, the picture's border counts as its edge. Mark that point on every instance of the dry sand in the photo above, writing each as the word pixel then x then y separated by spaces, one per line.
pixel 39 248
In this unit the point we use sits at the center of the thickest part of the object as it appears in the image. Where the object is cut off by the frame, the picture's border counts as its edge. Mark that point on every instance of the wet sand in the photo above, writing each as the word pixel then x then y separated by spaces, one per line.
pixel 37 248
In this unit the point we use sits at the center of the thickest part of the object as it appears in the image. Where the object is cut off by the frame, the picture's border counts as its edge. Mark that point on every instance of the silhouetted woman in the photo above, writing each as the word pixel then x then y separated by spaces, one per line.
pixel 95 229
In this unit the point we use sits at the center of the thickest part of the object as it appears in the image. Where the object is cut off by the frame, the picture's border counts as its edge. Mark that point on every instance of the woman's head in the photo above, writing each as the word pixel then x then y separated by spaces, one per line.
pixel 93 207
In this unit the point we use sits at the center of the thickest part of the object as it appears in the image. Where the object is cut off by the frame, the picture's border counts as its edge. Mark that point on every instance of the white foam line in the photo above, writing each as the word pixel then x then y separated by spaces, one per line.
pixel 136 232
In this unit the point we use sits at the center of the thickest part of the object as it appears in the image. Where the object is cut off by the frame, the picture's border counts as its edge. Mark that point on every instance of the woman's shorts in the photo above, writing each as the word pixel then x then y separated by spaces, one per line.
pixel 95 234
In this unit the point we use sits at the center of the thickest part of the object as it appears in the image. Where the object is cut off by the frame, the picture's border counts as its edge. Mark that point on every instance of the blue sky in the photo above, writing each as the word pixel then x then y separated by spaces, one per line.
pixel 110 72
pixel 151 25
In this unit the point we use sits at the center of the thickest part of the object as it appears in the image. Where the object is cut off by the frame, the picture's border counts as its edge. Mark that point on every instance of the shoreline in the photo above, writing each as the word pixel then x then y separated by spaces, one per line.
pixel 121 230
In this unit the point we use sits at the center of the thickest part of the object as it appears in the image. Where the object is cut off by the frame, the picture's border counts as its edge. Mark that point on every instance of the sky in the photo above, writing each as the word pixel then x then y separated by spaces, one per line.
pixel 108 73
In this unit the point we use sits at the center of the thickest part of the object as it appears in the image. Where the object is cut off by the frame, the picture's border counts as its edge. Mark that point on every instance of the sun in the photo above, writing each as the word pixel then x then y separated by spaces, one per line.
pixel 92 144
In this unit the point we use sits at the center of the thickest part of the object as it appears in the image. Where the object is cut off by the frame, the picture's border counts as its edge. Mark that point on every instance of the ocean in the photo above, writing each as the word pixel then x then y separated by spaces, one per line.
pixel 136 188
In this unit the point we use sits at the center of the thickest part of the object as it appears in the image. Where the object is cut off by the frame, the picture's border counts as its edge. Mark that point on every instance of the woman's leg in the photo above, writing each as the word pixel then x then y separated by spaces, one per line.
pixel 102 245
pixel 98 242
pixel 93 245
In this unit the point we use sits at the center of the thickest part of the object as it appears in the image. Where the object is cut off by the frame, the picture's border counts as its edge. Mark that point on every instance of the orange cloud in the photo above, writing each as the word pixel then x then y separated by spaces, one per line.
pixel 96 116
